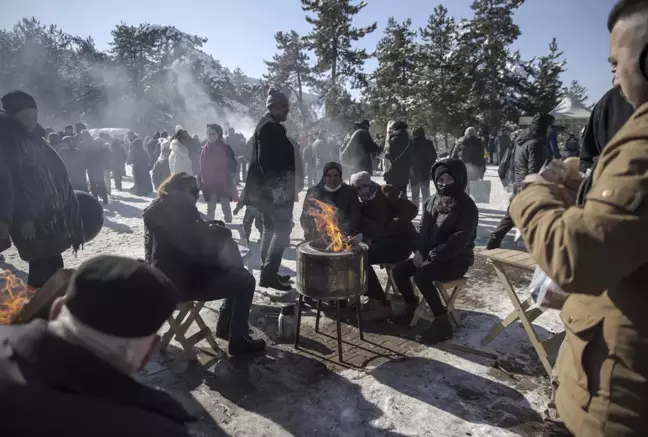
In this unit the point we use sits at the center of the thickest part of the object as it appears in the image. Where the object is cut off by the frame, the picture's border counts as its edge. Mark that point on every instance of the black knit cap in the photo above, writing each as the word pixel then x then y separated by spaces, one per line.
pixel 15 101
pixel 120 296
pixel 625 8
pixel 440 169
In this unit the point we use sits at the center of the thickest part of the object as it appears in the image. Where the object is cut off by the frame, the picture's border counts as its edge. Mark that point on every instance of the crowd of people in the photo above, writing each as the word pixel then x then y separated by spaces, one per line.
pixel 585 229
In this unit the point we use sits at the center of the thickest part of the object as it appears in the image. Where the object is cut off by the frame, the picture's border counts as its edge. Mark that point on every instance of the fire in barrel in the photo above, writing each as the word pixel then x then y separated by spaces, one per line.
pixel 333 266
pixel 14 295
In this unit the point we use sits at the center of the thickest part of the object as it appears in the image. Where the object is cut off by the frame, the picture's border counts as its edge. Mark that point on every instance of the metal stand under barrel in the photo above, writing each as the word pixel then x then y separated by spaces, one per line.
pixel 337 321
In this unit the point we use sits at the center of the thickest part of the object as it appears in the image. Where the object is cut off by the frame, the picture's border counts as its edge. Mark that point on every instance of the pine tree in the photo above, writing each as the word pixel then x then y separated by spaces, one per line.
pixel 392 89
pixel 578 91
pixel 485 54
pixel 289 70
pixel 331 39
pixel 440 91
pixel 545 90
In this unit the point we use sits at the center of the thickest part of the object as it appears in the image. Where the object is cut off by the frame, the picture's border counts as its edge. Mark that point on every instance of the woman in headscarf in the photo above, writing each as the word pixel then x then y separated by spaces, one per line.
pixel 200 258
pixel 332 190
pixel 444 250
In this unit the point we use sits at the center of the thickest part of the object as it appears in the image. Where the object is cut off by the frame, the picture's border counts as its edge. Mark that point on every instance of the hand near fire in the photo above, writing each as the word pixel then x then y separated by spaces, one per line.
pixel 28 230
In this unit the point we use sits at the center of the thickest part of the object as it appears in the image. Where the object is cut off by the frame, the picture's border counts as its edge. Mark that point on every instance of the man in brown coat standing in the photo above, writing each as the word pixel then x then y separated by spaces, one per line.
pixel 598 252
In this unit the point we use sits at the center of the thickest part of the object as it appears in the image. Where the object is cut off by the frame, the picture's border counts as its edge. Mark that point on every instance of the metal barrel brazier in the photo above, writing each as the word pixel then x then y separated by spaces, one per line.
pixel 326 275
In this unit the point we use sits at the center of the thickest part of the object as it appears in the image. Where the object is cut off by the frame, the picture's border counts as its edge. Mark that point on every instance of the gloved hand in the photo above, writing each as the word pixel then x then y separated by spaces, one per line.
pixel 418 259
pixel 28 230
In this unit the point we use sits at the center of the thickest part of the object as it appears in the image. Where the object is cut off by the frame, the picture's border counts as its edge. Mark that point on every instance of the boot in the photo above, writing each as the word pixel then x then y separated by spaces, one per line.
pixel 493 243
pixel 275 283
pixel 441 330
pixel 405 317
pixel 246 345
pixel 376 310
pixel 284 278
pixel 223 325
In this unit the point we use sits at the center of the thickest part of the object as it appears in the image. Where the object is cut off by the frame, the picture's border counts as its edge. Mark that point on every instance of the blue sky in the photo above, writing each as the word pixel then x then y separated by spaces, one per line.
pixel 241 32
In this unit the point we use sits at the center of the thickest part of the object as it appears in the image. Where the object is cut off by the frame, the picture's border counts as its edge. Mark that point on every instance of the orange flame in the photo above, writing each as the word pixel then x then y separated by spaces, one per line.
pixel 14 294
pixel 325 216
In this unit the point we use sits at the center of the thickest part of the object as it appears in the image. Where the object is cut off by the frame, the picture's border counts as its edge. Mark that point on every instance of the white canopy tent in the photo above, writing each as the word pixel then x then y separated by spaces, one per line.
pixel 570 113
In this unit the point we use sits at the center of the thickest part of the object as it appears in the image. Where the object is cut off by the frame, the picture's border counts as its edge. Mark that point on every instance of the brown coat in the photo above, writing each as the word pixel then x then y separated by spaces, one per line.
pixel 599 254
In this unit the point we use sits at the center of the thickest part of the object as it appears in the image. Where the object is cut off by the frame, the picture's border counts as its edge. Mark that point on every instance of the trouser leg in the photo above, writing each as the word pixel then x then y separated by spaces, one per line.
pixel 425 190
pixel 248 219
pixel 211 208
pixel 505 225
pixel 278 240
pixel 107 180
pixel 118 181
pixel 415 193
pixel 41 270
pixel 426 276
pixel 402 274
pixel 227 209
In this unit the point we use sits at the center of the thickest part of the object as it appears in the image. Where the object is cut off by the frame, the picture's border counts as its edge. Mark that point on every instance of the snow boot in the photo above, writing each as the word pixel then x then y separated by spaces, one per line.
pixel 246 345
pixel 376 310
pixel 441 330
pixel 405 317
pixel 493 243
pixel 275 283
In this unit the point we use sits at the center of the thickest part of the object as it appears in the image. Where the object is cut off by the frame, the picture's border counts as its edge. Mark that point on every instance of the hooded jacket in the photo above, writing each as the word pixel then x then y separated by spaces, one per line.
pixel 344 199
pixel 359 149
pixel 179 160
pixel 531 151
pixel 444 236
pixel 398 156
pixel 423 157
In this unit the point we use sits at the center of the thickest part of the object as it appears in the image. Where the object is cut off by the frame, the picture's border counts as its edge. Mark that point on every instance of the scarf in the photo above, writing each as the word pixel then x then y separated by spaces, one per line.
pixel 332 190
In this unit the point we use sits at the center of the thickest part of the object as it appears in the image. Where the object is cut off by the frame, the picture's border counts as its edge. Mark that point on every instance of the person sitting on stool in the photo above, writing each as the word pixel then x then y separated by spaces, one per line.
pixel 444 250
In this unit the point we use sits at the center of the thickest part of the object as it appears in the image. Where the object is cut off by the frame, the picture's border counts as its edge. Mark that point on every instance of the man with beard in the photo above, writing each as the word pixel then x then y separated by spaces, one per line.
pixel 39 208
pixel 595 250
pixel 270 187
pixel 531 153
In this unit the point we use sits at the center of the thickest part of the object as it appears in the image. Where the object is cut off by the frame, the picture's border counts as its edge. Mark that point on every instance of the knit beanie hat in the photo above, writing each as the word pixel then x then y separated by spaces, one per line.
pixel 120 296
pixel 358 178
pixel 15 101
pixel 275 96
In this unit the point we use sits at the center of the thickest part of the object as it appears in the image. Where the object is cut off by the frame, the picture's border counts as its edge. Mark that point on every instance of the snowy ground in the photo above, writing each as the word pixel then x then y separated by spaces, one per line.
pixel 431 392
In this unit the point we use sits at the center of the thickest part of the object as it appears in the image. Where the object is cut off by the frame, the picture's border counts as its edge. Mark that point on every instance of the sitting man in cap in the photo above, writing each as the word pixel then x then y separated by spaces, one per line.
pixel 71 376
pixel 386 224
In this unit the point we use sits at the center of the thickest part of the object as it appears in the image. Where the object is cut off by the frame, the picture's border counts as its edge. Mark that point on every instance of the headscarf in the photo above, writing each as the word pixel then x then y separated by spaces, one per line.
pixel 328 166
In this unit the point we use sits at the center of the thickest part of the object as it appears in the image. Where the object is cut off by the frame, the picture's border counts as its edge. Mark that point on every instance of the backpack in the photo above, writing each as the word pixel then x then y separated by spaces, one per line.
pixel 347 150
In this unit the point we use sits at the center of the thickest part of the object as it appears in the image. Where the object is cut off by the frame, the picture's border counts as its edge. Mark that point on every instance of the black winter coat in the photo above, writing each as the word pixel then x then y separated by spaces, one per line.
pixel 399 159
pixel 75 164
pixel 272 165
pixel 531 151
pixel 502 144
pixel 608 116
pixel 75 393
pixel 95 163
pixel 445 236
pixel 470 150
pixel 423 157
pixel 189 250
pixel 345 201
pixel 139 159
pixel 361 149
pixel 35 186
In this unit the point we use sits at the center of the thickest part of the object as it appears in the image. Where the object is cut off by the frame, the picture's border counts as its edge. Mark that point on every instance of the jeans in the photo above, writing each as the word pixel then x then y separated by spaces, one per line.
pixel 118 180
pixel 277 225
pixel 225 206
pixel 236 286
pixel 107 180
pixel 505 225
pixel 241 169
pixel 41 270
pixel 388 250
pixel 424 278
pixel 422 188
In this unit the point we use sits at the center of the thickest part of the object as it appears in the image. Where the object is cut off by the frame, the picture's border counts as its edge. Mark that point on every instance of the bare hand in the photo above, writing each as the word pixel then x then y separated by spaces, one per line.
pixel 418 259
pixel 28 231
